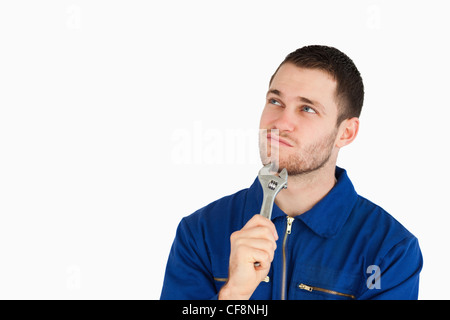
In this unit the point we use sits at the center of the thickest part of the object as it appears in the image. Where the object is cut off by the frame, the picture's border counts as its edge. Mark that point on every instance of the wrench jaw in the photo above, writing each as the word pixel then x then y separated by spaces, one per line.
pixel 266 170
pixel 284 177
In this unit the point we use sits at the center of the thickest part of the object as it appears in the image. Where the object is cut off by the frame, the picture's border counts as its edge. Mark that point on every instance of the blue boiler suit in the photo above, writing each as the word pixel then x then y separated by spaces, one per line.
pixel 345 247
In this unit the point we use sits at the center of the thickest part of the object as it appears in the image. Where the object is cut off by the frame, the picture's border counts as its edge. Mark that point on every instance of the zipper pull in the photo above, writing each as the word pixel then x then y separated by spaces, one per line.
pixel 289 224
pixel 305 287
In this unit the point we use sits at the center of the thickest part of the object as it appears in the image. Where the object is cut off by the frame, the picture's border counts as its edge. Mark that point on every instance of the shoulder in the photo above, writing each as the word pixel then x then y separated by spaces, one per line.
pixel 380 229
pixel 380 219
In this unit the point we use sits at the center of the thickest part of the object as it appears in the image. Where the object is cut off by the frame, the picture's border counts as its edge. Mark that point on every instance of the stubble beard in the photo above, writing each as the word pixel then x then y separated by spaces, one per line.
pixel 307 159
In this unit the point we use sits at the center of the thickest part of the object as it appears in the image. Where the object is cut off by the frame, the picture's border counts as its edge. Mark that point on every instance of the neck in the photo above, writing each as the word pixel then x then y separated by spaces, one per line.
pixel 306 190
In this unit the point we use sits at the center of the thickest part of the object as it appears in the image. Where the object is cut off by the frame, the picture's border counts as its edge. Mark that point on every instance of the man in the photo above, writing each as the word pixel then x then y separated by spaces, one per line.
pixel 323 241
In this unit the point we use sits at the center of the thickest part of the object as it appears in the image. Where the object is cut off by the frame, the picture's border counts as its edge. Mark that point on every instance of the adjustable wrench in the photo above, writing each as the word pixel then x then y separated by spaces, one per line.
pixel 271 185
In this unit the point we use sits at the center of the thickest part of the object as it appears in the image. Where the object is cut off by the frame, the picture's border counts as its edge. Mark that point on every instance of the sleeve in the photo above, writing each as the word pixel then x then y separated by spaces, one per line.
pixel 397 276
pixel 188 275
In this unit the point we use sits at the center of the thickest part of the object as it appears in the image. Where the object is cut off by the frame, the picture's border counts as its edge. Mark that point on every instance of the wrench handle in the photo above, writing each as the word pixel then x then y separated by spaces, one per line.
pixel 266 211
pixel 266 207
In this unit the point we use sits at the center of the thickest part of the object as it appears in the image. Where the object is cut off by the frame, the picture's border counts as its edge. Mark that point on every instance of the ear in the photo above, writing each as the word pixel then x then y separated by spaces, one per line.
pixel 348 130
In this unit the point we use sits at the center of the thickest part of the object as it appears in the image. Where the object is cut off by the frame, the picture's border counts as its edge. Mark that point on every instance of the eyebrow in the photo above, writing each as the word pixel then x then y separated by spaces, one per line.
pixel 302 99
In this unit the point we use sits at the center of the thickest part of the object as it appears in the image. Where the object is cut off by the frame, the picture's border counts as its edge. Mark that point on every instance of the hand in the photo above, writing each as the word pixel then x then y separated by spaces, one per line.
pixel 255 242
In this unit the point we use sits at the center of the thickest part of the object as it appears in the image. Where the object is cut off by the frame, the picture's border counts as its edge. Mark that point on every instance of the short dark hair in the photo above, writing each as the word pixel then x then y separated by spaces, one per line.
pixel 350 88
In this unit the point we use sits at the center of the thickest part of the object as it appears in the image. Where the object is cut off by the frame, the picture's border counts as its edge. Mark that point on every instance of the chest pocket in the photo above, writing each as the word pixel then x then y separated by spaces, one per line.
pixel 319 283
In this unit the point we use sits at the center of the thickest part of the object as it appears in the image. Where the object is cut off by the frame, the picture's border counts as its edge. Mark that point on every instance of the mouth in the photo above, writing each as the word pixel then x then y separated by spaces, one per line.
pixel 277 140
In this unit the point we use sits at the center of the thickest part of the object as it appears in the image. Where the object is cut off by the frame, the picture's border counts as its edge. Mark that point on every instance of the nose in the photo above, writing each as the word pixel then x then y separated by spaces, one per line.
pixel 285 121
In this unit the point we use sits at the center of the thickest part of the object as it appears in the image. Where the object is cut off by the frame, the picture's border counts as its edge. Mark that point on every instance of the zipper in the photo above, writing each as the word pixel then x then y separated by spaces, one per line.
pixel 311 289
pixel 283 282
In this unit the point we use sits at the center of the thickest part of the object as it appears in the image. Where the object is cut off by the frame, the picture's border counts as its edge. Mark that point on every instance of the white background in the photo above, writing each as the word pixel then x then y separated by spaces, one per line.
pixel 118 118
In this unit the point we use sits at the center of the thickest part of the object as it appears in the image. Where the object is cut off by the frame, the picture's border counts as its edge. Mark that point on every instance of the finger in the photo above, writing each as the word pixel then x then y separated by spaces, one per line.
pixel 259 220
pixel 256 244
pixel 262 257
pixel 256 233
pixel 250 255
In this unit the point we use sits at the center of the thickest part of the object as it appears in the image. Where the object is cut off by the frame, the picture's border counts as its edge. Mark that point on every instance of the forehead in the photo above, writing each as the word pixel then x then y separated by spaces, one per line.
pixel 313 84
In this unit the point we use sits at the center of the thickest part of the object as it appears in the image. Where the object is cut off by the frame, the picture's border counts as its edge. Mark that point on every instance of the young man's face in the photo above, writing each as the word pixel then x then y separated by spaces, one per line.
pixel 301 105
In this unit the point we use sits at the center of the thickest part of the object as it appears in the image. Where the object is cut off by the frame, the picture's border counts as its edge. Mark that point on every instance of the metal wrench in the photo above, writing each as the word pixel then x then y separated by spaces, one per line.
pixel 271 185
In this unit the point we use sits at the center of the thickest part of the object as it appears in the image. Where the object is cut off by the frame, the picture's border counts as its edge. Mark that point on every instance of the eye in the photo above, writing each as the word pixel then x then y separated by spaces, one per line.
pixel 308 109
pixel 274 101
